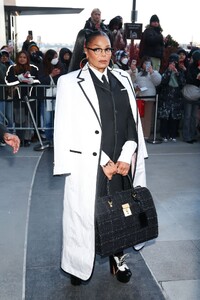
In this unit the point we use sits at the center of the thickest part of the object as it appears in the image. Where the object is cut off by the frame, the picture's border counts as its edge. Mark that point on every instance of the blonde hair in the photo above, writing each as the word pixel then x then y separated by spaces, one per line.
pixel 96 10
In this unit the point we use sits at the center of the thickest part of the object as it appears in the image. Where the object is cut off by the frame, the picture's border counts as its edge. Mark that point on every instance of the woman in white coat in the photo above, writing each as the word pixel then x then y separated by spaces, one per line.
pixel 90 118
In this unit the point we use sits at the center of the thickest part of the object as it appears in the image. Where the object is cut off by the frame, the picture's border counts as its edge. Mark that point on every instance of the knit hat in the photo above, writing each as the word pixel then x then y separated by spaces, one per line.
pixel 119 54
pixel 154 18
pixel 33 46
pixel 196 55
pixel 4 52
pixel 173 57
pixel 181 50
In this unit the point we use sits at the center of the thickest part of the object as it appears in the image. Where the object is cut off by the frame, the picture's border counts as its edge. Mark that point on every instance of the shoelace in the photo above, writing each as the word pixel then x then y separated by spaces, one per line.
pixel 121 262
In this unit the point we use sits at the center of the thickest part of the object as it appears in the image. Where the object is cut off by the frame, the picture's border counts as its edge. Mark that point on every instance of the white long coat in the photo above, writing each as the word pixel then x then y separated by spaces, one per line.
pixel 77 149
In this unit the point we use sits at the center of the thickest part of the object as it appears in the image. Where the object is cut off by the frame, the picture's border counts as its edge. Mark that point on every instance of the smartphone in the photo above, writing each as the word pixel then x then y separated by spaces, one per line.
pixel 30 32
pixel 148 65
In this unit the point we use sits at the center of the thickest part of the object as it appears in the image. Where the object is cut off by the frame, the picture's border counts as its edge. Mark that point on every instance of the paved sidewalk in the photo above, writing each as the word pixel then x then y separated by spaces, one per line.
pixel 30 231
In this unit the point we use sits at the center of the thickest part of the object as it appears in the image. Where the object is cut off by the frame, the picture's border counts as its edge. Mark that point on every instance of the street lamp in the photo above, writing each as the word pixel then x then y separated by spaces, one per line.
pixel 134 13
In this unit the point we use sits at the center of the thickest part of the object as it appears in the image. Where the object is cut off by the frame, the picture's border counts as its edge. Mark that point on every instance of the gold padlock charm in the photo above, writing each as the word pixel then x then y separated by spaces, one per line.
pixel 126 209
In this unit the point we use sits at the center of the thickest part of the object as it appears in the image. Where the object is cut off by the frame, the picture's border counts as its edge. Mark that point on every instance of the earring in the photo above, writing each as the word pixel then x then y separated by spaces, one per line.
pixel 83 62
pixel 111 64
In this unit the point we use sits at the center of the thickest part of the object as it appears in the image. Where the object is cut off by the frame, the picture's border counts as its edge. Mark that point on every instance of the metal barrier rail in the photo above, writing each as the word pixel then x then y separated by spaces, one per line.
pixel 30 109
pixel 24 107
pixel 154 140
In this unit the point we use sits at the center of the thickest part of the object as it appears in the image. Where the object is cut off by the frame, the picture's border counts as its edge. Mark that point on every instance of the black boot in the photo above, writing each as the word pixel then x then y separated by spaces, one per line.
pixel 75 280
pixel 119 268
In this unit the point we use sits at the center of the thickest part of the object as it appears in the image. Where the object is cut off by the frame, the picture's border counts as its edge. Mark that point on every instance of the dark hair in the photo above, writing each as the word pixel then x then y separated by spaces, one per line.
pixel 84 36
pixel 48 56
pixel 89 37
pixel 18 68
pixel 143 59
pixel 116 21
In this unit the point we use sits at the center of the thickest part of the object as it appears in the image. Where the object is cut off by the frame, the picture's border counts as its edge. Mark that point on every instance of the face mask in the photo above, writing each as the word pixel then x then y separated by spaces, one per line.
pixel 125 60
pixel 54 61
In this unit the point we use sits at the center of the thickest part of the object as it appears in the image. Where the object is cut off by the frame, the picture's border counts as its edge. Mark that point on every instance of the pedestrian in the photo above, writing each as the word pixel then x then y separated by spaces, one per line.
pixel 191 107
pixel 170 99
pixel 95 22
pixel 146 81
pixel 92 119
pixel 21 77
pixel 152 42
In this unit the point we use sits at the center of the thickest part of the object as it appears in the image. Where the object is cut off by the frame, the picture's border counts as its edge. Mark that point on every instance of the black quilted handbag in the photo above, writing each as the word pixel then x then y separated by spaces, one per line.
pixel 125 219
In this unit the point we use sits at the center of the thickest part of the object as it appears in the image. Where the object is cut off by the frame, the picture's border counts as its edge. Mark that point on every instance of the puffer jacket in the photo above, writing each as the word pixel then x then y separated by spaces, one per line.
pixel 152 43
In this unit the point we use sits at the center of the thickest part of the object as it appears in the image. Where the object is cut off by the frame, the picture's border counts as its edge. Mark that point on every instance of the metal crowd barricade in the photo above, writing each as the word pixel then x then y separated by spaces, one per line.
pixel 154 140
pixel 8 116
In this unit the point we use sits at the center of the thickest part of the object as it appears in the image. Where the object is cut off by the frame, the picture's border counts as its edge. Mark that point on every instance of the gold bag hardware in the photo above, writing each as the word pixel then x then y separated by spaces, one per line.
pixel 126 209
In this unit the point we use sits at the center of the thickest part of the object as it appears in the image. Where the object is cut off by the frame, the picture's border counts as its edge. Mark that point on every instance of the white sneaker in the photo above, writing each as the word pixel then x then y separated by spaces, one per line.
pixel 138 247
pixel 165 140
pixel 173 140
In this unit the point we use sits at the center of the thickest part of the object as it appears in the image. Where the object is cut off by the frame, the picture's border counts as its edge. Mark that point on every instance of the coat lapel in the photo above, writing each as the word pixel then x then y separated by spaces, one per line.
pixel 88 89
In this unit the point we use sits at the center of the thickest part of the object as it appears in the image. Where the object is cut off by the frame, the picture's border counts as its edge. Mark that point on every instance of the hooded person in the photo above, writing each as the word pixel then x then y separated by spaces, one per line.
pixel 36 56
pixel 65 55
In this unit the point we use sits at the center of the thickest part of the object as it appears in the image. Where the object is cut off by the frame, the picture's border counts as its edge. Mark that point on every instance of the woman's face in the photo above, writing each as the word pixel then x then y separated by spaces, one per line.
pixel 66 56
pixel 22 59
pixel 98 53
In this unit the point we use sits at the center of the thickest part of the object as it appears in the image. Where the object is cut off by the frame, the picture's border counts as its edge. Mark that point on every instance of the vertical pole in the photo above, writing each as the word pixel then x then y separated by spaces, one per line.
pixel 133 13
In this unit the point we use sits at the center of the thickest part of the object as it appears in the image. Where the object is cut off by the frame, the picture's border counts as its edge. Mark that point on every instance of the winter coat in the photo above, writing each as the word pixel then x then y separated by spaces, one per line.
pixel 150 81
pixel 191 74
pixel 152 43
pixel 77 151
pixel 12 80
pixel 170 99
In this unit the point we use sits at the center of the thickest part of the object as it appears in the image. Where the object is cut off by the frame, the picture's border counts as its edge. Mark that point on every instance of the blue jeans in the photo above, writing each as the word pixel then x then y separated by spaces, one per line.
pixel 2 112
pixel 189 121
pixel 6 113
pixel 47 120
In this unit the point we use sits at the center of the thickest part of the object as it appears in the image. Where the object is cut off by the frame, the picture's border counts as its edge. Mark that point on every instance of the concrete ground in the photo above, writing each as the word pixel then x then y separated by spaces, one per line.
pixel 30 231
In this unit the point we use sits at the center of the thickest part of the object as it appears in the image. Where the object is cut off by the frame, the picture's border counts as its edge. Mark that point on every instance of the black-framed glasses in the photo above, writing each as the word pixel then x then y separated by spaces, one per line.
pixel 99 51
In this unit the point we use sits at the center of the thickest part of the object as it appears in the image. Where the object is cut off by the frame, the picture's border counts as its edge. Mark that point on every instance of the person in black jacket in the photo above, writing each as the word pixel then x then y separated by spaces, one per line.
pixel 95 22
pixel 152 42
pixel 191 107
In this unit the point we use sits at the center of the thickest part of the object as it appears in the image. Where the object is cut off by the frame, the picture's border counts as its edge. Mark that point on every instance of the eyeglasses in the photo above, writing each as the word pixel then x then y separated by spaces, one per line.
pixel 98 51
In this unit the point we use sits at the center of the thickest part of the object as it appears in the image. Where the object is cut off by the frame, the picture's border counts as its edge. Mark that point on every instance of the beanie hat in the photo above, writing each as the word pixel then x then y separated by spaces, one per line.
pixel 119 54
pixel 154 18
pixel 173 57
pixel 192 51
pixel 4 52
pixel 33 45
pixel 196 55
pixel 181 50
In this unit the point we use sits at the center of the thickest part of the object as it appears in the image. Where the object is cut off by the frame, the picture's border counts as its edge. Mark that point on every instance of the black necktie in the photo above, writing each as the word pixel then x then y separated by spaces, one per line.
pixel 105 81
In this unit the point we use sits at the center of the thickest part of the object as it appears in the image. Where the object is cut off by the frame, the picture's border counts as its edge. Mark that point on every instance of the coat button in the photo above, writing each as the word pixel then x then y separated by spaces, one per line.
pixel 94 154
pixel 97 131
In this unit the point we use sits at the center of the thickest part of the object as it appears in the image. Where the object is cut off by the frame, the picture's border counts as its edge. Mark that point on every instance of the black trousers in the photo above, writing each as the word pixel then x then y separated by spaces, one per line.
pixel 169 127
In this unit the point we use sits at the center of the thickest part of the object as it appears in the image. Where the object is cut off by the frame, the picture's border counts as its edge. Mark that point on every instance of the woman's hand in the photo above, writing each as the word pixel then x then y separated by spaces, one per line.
pixel 122 168
pixel 12 140
pixel 110 169
pixel 55 72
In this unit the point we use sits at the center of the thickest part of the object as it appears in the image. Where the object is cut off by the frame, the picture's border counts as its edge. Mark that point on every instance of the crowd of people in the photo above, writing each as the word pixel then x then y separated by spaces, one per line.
pixel 177 116
pixel 98 133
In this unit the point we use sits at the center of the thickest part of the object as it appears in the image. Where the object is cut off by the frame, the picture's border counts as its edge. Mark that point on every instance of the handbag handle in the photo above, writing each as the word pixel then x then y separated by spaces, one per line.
pixel 108 183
